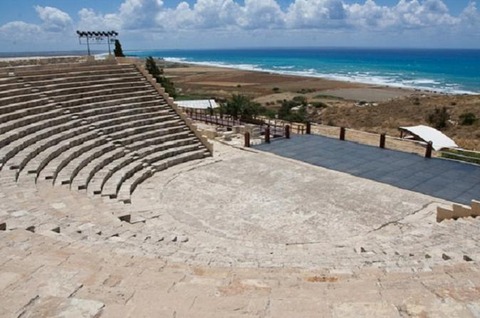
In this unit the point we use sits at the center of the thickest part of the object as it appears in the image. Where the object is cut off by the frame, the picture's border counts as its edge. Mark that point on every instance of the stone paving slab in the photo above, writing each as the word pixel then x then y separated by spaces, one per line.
pixel 446 179
pixel 117 285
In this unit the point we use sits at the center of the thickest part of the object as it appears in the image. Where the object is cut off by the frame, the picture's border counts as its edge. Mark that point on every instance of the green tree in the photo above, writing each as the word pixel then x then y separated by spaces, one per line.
pixel 118 52
pixel 157 73
pixel 241 106
pixel 438 118
pixel 285 112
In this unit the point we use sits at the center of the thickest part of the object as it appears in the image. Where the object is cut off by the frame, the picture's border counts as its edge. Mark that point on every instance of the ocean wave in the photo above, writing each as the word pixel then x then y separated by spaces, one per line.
pixel 244 67
pixel 289 67
pixel 387 79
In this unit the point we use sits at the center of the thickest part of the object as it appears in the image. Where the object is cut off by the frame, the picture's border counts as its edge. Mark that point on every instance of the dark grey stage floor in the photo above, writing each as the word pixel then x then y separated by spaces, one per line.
pixel 446 179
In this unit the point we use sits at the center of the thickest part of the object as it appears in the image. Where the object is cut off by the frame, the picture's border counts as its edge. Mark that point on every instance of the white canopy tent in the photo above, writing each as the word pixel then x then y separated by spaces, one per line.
pixel 197 104
pixel 439 140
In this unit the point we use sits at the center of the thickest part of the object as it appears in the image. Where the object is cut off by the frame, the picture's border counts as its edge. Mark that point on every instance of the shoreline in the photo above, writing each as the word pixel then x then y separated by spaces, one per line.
pixel 211 78
pixel 311 74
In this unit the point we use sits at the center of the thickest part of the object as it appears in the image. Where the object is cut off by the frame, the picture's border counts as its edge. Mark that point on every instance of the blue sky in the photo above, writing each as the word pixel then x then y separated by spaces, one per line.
pixel 43 25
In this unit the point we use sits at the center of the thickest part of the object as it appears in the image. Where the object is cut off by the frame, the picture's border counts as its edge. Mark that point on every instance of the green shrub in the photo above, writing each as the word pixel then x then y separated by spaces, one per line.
pixel 467 119
pixel 319 105
pixel 301 100
pixel 157 73
pixel 438 118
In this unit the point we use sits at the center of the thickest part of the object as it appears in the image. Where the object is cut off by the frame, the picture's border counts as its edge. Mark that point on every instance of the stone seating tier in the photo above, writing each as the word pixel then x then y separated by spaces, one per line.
pixel 80 134
pixel 141 159
pixel 74 166
pixel 17 114
pixel 96 161
pixel 75 149
pixel 89 124
pixel 69 70
pixel 78 88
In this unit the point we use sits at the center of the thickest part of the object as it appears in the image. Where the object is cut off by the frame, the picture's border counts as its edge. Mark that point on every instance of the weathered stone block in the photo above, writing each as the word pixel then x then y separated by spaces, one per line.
pixel 443 214
pixel 475 208
pixel 461 211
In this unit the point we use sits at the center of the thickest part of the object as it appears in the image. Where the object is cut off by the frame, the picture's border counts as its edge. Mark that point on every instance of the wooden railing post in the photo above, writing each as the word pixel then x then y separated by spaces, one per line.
pixel 247 139
pixel 267 134
pixel 309 128
pixel 382 140
pixel 342 133
pixel 287 131
pixel 428 152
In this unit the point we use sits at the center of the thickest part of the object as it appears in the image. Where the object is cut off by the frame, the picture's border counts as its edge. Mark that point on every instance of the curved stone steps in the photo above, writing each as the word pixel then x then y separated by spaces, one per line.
pixel 14 147
pixel 17 141
pixel 15 89
pixel 54 92
pixel 139 160
pixel 59 68
pixel 135 177
pixel 67 73
pixel 96 163
pixel 64 78
pixel 97 179
pixel 46 117
pixel 59 98
pixel 143 107
pixel 50 171
pixel 77 148
pixel 100 120
pixel 37 101
pixel 21 113
pixel 9 85
pixel 37 157
pixel 104 98
pixel 16 127
pixel 81 83
pixel 24 97
pixel 107 106
pixel 67 174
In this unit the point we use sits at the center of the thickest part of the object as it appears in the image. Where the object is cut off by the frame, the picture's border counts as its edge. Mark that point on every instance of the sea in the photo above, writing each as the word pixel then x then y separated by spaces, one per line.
pixel 451 71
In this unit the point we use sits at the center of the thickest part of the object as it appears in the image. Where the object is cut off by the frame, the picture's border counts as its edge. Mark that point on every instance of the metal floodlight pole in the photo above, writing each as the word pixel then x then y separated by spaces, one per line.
pixel 98 38
pixel 88 45
pixel 108 40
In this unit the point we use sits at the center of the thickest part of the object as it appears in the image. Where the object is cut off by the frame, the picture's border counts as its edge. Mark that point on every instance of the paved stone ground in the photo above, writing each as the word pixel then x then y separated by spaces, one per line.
pixel 446 179
pixel 242 234
pixel 42 277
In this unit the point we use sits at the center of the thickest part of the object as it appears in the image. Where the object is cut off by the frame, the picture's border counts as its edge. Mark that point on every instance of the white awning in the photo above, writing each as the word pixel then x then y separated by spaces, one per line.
pixel 197 104
pixel 426 133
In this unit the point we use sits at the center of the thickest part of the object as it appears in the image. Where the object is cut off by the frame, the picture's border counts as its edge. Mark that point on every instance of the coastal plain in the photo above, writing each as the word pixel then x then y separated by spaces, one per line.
pixel 387 108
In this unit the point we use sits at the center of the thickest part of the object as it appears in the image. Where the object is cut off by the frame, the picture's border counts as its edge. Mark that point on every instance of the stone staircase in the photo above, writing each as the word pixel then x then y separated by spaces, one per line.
pixel 458 211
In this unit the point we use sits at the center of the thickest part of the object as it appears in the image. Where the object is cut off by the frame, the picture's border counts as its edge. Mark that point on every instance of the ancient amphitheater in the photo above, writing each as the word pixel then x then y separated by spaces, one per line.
pixel 112 204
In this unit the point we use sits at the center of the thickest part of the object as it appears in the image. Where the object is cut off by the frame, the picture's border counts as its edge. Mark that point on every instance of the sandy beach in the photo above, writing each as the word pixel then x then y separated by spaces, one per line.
pixel 266 87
